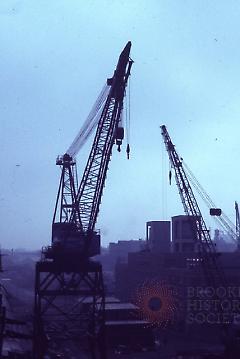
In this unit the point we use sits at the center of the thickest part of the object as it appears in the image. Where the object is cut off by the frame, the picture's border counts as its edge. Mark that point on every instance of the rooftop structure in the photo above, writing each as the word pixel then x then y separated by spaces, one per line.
pixel 158 236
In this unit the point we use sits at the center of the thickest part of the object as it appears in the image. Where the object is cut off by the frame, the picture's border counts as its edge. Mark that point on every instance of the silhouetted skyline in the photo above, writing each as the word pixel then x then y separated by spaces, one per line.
pixel 55 58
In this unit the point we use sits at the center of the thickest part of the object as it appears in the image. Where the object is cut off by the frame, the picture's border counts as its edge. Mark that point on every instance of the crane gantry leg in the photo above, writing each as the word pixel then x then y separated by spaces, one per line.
pixel 69 309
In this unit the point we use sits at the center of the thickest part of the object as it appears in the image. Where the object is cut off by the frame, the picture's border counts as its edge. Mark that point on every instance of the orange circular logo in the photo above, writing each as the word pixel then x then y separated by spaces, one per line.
pixel 157 302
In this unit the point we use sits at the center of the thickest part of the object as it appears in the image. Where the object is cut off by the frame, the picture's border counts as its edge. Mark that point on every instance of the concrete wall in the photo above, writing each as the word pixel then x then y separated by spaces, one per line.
pixel 158 236
pixel 184 235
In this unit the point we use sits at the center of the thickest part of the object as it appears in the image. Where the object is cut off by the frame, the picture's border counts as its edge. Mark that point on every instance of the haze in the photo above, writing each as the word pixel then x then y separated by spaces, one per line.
pixel 55 58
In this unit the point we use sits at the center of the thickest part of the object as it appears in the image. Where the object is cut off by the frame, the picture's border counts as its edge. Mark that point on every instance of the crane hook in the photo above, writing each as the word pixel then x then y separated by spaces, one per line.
pixel 170 177
pixel 128 151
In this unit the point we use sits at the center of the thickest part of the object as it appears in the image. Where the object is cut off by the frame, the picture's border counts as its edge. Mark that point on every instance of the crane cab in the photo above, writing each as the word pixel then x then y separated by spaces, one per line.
pixel 68 243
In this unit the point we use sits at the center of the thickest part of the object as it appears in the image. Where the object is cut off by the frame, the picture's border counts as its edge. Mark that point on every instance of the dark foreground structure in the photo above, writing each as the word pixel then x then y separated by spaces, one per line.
pixel 69 289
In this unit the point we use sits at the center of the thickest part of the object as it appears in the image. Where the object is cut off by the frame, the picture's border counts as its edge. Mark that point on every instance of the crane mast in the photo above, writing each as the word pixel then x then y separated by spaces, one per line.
pixel 66 197
pixel 206 248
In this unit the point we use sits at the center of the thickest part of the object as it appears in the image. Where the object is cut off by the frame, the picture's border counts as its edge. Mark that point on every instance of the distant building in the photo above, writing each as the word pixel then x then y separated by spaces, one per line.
pixel 184 234
pixel 152 271
pixel 224 242
pixel 125 328
pixel 172 268
pixel 121 249
pixel 182 270
pixel 158 235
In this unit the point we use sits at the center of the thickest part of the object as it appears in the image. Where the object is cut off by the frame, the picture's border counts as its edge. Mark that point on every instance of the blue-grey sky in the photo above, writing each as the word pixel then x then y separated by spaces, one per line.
pixel 54 58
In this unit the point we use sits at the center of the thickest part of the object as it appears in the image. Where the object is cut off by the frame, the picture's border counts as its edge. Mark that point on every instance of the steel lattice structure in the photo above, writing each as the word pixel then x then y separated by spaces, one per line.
pixel 69 288
pixel 237 225
pixel 67 191
pixel 2 323
pixel 213 273
pixel 70 302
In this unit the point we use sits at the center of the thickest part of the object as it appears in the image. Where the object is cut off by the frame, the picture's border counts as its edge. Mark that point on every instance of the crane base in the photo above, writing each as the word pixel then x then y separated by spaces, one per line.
pixel 69 309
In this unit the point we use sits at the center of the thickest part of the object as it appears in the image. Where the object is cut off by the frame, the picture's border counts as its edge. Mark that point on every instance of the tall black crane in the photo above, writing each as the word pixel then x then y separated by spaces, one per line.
pixel 237 225
pixel 212 270
pixel 77 208
pixel 66 269
pixel 207 252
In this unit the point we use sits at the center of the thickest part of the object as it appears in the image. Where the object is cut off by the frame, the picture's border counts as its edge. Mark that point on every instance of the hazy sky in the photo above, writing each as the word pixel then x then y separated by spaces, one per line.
pixel 54 59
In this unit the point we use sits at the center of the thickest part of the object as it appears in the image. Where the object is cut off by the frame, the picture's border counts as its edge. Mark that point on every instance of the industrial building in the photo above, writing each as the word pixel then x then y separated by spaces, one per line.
pixel 121 249
pixel 158 236
pixel 124 327
pixel 184 236
pixel 177 263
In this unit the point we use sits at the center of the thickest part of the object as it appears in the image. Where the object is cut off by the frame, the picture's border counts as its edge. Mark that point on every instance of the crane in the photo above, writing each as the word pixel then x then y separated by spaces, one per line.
pixel 76 210
pixel 66 268
pixel 209 261
pixel 237 225
pixel 208 255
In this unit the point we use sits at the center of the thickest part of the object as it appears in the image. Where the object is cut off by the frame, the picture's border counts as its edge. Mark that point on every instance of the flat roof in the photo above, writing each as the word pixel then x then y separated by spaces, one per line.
pixel 107 300
pixel 126 322
pixel 112 300
pixel 120 306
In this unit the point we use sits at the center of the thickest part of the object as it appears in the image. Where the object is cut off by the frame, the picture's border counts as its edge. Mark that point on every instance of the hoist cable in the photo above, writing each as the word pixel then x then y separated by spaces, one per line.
pixel 89 124
pixel 128 120
pixel 222 220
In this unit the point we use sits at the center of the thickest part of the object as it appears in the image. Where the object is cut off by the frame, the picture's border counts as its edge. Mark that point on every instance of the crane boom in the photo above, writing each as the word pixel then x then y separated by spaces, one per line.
pixel 207 251
pixel 108 130
pixel 237 225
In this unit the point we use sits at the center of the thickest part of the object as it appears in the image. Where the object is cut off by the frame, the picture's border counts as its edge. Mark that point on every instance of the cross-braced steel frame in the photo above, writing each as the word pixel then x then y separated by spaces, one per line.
pixel 209 260
pixel 66 197
pixel 2 324
pixel 69 291
pixel 69 309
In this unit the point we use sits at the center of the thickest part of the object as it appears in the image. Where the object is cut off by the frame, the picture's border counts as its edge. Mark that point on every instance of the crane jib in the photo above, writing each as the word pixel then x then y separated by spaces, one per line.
pixel 206 249
pixel 77 207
